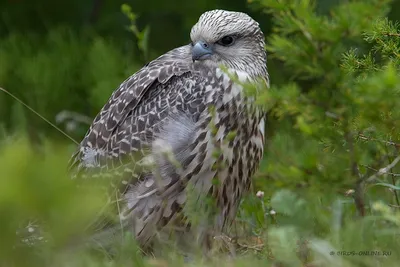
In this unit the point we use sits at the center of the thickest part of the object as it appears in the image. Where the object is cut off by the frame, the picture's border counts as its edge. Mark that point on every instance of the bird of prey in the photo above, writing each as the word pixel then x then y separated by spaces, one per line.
pixel 189 117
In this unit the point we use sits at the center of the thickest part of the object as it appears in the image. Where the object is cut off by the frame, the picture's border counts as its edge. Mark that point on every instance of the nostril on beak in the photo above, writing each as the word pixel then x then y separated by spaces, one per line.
pixel 204 44
pixel 201 50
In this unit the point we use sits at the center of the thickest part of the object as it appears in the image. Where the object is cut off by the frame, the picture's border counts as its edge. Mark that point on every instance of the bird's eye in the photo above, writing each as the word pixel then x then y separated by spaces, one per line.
pixel 226 40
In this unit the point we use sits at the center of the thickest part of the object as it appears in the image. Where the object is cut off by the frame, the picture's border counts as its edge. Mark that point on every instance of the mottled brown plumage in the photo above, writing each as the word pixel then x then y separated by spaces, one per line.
pixel 163 113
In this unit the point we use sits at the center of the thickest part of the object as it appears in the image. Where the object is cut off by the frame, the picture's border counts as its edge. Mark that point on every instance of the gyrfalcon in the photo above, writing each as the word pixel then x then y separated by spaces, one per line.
pixel 186 114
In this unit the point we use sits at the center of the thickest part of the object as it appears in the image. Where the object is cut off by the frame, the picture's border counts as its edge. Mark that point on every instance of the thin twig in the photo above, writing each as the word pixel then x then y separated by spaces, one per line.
pixel 391 34
pixel 361 136
pixel 384 170
pixel 388 173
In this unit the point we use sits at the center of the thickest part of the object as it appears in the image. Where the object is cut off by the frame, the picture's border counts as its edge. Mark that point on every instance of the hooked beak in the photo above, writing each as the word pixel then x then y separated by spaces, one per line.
pixel 201 50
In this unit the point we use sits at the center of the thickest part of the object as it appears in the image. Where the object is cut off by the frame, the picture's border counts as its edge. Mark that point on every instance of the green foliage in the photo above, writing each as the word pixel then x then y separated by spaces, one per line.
pixel 64 71
pixel 141 36
pixel 334 137
pixel 34 188
pixel 332 101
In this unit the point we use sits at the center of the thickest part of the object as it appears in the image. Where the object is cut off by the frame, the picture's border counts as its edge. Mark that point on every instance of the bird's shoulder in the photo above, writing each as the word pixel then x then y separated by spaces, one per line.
pixel 166 72
pixel 130 92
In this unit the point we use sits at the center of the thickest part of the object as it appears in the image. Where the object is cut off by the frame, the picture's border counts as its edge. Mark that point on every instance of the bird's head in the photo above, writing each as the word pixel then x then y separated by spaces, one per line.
pixel 232 39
